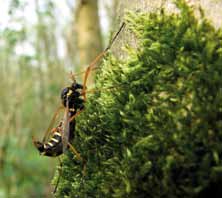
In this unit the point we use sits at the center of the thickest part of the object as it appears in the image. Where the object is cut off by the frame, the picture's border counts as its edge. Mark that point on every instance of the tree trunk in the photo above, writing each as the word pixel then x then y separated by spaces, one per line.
pixel 212 8
pixel 89 40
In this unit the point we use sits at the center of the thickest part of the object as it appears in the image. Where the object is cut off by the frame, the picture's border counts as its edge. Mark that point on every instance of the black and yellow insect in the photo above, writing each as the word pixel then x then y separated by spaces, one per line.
pixel 56 140
pixel 54 146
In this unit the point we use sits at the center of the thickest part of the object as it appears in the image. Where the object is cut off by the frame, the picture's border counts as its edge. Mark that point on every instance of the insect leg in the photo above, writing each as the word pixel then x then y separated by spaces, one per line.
pixel 75 115
pixel 60 171
pixel 71 147
pixel 91 91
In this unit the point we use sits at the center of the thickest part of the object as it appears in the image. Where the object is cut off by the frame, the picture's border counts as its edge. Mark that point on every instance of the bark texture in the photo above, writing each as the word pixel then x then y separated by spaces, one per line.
pixel 211 8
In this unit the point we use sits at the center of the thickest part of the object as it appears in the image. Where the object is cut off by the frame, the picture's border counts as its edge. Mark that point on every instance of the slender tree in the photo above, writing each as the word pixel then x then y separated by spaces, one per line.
pixel 89 40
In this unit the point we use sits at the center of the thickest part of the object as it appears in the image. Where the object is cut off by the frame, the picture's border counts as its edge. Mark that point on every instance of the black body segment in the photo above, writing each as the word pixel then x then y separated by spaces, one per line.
pixel 72 94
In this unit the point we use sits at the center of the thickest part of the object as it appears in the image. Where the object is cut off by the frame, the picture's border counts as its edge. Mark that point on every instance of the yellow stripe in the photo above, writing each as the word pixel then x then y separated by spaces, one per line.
pixel 69 93
pixel 54 140
pixel 56 133
pixel 49 143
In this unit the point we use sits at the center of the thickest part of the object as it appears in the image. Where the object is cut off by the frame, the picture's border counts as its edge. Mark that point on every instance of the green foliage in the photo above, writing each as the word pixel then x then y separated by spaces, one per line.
pixel 158 133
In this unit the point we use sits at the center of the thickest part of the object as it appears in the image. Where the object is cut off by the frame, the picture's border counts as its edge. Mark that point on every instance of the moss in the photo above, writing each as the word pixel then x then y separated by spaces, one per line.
pixel 158 132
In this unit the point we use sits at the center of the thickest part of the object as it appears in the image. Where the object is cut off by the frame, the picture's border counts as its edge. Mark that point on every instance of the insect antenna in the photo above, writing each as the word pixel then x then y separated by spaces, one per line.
pixel 116 35
pixel 93 63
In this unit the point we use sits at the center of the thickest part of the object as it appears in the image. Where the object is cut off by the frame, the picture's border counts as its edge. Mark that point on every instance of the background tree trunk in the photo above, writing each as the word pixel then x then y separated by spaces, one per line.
pixel 89 40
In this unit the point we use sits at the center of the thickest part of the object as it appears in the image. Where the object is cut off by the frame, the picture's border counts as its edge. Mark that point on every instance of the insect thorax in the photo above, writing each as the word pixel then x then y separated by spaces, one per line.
pixel 73 95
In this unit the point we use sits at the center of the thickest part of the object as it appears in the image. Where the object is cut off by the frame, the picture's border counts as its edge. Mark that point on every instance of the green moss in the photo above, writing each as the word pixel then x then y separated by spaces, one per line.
pixel 158 133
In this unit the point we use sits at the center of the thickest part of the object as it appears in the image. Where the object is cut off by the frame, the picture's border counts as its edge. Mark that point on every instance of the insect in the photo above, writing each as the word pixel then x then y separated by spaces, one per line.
pixel 58 139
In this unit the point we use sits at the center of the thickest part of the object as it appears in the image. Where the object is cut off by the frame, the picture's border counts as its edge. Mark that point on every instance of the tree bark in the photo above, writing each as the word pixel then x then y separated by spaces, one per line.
pixel 212 8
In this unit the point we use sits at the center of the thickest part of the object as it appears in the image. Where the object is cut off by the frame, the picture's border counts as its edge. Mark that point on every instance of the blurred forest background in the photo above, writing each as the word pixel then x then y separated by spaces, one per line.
pixel 40 42
pixel 38 45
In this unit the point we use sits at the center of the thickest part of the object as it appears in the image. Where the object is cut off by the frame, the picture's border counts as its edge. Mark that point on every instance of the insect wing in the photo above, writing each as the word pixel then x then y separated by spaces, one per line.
pixel 65 131
pixel 47 132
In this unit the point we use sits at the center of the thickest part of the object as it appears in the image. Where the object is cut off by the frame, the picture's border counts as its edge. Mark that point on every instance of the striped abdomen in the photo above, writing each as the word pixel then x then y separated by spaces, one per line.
pixel 54 146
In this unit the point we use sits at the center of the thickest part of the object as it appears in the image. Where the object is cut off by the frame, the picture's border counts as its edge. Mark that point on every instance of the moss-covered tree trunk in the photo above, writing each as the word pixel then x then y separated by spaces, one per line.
pixel 212 8
pixel 157 132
